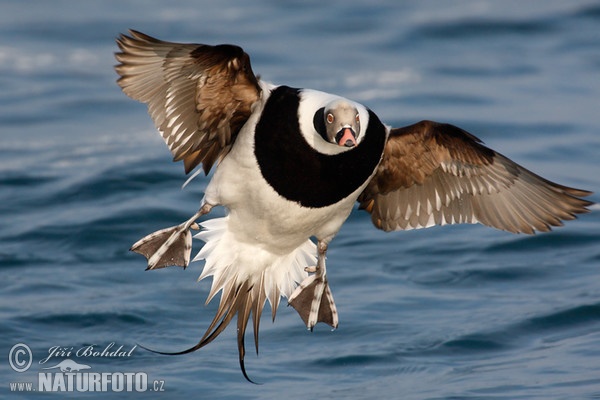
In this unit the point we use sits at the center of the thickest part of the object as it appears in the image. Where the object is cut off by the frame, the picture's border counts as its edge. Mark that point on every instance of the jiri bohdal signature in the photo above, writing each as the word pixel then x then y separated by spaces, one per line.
pixel 92 350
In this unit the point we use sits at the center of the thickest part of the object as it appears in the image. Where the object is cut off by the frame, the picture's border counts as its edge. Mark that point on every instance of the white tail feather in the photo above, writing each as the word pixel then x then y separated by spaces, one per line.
pixel 227 258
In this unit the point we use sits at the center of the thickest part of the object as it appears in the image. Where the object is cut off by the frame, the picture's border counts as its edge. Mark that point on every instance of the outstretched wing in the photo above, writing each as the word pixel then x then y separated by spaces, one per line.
pixel 436 174
pixel 199 96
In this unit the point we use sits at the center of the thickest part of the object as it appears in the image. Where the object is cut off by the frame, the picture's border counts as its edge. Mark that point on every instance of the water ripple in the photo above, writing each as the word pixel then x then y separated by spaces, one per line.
pixel 574 320
pixel 484 29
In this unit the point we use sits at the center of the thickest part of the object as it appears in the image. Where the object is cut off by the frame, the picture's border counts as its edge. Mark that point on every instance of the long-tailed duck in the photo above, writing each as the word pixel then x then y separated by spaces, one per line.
pixel 291 164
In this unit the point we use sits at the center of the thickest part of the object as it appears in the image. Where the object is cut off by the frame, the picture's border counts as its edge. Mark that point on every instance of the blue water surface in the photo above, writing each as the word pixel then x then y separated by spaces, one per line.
pixel 443 313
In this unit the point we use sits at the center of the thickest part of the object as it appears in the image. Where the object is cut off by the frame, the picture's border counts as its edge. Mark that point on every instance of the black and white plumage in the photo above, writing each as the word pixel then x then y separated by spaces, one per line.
pixel 292 163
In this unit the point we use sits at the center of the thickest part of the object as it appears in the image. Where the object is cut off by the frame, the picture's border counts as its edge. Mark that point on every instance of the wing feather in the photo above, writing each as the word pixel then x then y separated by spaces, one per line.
pixel 437 174
pixel 199 96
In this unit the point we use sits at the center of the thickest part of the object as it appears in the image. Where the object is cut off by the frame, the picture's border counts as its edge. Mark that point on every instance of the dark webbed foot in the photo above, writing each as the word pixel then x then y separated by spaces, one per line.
pixel 170 246
pixel 312 299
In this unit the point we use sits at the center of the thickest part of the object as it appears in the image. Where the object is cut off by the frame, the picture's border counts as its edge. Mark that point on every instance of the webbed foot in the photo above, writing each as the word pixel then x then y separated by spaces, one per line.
pixel 312 299
pixel 314 302
pixel 171 246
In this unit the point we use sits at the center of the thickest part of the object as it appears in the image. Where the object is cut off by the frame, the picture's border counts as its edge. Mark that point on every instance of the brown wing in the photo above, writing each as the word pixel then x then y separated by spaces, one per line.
pixel 199 96
pixel 436 174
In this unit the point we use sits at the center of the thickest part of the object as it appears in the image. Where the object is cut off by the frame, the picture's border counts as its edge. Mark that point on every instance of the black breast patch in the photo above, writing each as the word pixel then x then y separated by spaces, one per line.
pixel 300 173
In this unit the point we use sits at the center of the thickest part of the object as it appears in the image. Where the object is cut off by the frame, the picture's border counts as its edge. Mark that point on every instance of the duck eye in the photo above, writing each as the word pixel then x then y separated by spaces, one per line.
pixel 330 118
pixel 358 118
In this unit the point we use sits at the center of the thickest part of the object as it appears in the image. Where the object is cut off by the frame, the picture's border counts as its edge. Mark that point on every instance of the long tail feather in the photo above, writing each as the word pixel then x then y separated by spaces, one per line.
pixel 258 304
pixel 230 309
pixel 242 300
pixel 247 278
pixel 243 311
